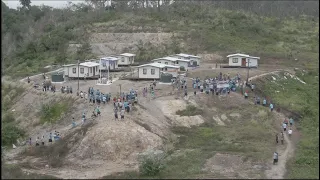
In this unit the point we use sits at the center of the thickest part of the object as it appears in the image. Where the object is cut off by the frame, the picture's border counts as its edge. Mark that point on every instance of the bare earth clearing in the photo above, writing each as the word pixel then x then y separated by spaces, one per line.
pixel 108 146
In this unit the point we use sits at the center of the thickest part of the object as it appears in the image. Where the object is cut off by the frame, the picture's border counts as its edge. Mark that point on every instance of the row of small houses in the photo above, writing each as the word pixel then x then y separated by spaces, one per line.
pixel 171 65
pixel 92 68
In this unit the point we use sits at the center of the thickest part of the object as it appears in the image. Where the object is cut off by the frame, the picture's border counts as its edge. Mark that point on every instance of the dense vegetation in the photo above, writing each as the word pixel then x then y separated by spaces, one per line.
pixel 34 37
pixel 9 130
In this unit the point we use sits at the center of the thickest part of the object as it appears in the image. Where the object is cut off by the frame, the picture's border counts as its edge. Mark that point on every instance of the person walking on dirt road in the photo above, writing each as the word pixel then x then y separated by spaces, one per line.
pixel 291 121
pixel 122 114
pixel 275 158
pixel 271 107
pixel 290 132
pixel 115 114
pixel 284 125
pixel 282 138
pixel 277 138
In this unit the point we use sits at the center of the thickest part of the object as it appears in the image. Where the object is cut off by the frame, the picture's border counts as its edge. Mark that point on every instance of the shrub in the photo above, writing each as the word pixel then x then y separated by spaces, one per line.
pixel 10 133
pixel 151 164
pixel 182 68
pixel 52 112
pixel 189 111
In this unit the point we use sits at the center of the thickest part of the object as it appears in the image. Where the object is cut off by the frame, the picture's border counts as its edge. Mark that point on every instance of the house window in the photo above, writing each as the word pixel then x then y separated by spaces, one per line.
pixel 177 62
pixel 122 59
pixel 166 69
pixel 144 71
pixel 96 68
pixel 159 62
pixel 166 62
pixel 104 63
pixel 74 70
pixel 91 70
pixel 234 60
pixel 153 71
pixel 81 70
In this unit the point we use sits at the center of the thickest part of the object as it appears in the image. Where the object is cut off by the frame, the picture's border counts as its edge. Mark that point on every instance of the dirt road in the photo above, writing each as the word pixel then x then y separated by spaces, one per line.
pixel 278 171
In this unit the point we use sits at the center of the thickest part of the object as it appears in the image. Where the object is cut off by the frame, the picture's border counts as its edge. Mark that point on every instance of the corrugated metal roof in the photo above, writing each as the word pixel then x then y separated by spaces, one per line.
pixel 159 65
pixel 238 54
pixel 89 64
pixel 109 58
pixel 187 55
pixel 254 57
pixel 127 54
pixel 171 59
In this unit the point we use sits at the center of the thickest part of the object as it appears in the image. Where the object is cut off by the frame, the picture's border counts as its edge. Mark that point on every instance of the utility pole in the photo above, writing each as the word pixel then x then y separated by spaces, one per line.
pixel 78 77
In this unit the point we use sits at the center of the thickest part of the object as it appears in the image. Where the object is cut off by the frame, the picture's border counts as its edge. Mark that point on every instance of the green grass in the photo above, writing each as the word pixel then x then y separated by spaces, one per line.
pixel 10 132
pixel 11 171
pixel 249 136
pixel 190 110
pixel 53 111
pixel 302 99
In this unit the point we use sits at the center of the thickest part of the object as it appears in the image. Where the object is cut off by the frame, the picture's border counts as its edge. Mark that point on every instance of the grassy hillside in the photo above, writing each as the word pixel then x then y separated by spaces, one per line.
pixel 301 99
pixel 39 36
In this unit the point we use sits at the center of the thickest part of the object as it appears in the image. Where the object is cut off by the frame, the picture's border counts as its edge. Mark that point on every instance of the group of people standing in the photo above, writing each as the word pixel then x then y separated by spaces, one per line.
pixel 41 141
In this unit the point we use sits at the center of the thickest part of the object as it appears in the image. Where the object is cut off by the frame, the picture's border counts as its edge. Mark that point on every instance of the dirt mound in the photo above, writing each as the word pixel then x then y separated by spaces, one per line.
pixel 114 141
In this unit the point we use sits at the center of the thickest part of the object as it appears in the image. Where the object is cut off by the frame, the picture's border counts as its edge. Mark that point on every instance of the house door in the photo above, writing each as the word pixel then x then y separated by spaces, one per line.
pixel 94 71
pixel 243 62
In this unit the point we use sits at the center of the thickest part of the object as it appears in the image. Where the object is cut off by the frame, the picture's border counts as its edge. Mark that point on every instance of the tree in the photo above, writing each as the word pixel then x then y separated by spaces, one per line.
pixel 25 3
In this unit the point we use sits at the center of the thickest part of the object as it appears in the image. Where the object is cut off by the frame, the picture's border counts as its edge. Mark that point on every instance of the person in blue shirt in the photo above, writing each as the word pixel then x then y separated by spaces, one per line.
pixel 264 103
pixel 291 121
pixel 271 107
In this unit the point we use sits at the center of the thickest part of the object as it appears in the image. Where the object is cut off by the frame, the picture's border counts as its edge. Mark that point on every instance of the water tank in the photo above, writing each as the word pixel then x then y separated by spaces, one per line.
pixel 57 77
pixel 166 78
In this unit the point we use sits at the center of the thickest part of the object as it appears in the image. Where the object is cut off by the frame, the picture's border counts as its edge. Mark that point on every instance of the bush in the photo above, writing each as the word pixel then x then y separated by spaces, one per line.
pixel 10 133
pixel 52 112
pixel 151 164
pixel 190 111
pixel 182 68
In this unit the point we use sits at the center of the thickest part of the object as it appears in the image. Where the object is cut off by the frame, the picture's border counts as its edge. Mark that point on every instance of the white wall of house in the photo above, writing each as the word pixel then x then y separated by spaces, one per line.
pixel 125 60
pixel 163 61
pixel 253 62
pixel 72 71
pixel 145 72
pixel 235 60
pixel 190 58
pixel 173 71
pixel 182 63
pixel 105 66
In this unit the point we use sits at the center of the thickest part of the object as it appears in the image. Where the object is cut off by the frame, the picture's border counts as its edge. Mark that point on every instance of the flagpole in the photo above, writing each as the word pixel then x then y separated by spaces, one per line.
pixel 100 70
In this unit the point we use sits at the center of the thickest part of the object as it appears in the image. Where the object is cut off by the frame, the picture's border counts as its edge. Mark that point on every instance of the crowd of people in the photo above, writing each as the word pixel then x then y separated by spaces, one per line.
pixel 42 141
pixel 123 102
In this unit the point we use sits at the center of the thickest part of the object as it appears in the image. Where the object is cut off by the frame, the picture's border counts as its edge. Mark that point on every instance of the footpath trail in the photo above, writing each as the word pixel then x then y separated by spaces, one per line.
pixel 278 171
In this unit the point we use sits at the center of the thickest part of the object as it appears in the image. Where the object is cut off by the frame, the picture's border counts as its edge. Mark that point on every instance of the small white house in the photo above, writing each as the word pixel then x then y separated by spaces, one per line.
pixel 108 62
pixel 194 60
pixel 86 69
pixel 126 59
pixel 173 61
pixel 154 70
pixel 242 60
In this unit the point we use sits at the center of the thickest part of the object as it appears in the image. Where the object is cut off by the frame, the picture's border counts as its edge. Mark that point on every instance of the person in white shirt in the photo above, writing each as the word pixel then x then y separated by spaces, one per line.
pixel 290 132
pixel 284 125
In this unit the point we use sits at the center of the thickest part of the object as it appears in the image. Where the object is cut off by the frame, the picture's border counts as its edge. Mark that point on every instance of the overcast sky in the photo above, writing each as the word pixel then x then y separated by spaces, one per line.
pixel 56 4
